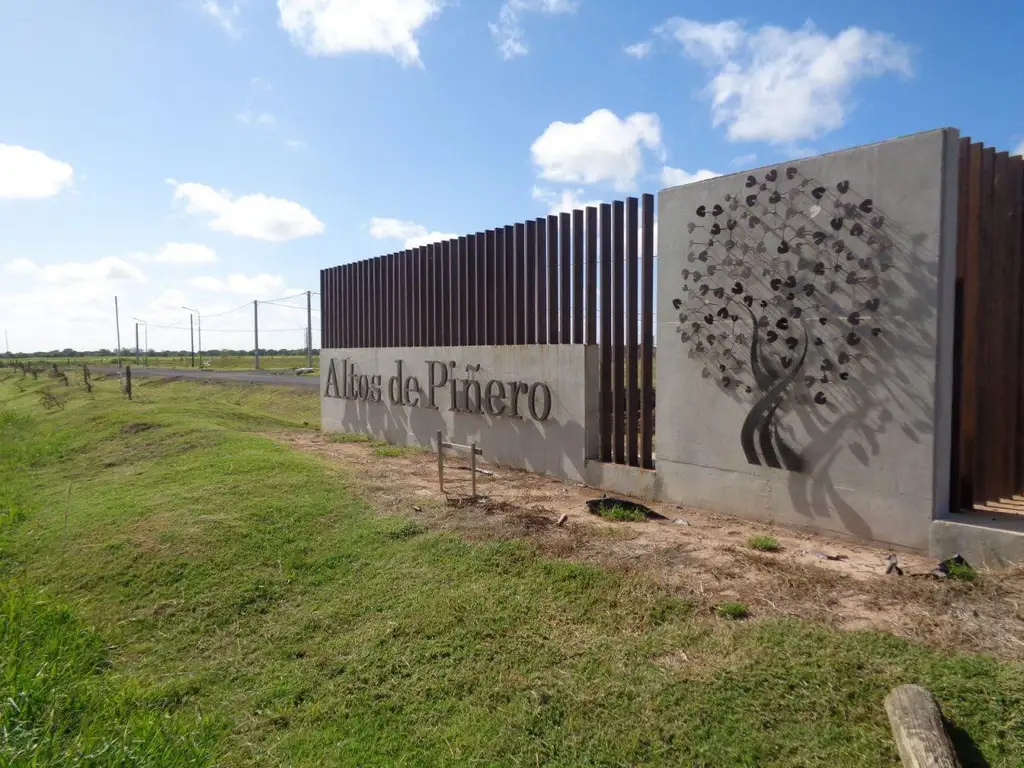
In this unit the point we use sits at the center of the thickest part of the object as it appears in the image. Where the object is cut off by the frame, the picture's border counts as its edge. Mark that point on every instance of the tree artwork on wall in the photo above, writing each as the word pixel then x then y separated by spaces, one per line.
pixel 783 293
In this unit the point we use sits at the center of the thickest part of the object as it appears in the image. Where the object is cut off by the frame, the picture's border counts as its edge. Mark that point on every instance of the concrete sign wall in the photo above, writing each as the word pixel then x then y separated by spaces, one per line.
pixel 529 407
pixel 800 341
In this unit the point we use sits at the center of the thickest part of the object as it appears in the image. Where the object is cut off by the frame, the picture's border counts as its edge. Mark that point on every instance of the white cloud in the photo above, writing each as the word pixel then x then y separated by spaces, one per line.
pixel 1020 148
pixel 109 268
pixel 639 50
pixel 412 235
pixel 28 174
pixel 602 147
pixel 224 13
pixel 180 253
pixel 261 82
pixel 333 27
pixel 263 119
pixel 675 177
pixel 507 31
pixel 566 201
pixel 744 161
pixel 780 85
pixel 294 145
pixel 258 216
pixel 254 286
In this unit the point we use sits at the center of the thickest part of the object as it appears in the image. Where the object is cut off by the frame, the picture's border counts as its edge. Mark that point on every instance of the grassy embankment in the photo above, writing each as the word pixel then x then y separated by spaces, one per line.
pixel 179 589
pixel 214 362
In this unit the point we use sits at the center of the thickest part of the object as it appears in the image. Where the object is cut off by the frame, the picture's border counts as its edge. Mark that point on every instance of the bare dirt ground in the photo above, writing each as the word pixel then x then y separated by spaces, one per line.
pixel 701 556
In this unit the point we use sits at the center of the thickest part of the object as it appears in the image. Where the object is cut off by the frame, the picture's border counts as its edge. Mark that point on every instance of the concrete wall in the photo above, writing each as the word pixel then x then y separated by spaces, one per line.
pixel 557 445
pixel 839 268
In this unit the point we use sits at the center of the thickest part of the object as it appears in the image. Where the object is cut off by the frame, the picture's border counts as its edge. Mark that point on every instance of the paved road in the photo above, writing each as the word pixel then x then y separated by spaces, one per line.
pixel 308 380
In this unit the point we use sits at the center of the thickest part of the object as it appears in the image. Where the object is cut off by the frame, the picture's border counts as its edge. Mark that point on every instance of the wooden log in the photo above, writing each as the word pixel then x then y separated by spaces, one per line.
pixel 918 729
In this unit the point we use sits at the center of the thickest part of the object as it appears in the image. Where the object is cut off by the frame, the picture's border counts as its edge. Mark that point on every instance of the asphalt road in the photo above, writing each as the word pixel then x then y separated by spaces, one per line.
pixel 307 380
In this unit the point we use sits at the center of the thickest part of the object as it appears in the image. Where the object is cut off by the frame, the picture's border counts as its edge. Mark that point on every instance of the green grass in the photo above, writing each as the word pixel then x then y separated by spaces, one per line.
pixel 764 543
pixel 389 451
pixel 621 513
pixel 214 597
pixel 962 572
pixel 346 437
pixel 732 610
pixel 215 362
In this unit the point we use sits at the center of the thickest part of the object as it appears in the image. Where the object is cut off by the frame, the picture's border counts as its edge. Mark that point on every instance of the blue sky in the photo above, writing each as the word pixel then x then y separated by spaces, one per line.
pixel 212 152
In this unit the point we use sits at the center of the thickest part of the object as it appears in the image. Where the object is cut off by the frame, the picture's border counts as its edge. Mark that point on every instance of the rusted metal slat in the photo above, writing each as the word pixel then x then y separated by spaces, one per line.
pixel 647 335
pixel 565 279
pixel 607 395
pixel 491 287
pixel 447 310
pixel 618 330
pixel 479 288
pixel 520 283
pixel 509 307
pixel 502 302
pixel 631 329
pixel 459 287
pixel 985 488
pixel 531 283
pixel 969 332
pixel 552 279
pixel 542 279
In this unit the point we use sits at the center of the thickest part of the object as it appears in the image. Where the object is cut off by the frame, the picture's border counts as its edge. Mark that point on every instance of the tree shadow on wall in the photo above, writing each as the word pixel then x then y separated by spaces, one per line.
pixel 805 303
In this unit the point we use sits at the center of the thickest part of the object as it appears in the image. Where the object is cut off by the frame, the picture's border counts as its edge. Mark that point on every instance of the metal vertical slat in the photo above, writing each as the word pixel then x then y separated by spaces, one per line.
pixel 326 309
pixel 423 289
pixel 392 300
pixel 578 259
pixel 406 300
pixel 1002 310
pixel 553 279
pixel 337 283
pixel 618 330
pixel 1019 258
pixel 565 279
pixel 1015 302
pixel 591 307
pixel 631 329
pixel 969 327
pixel 415 325
pixel 352 292
pixel 510 308
pixel 324 320
pixel 469 278
pixel 458 292
pixel 344 285
pixel 542 279
pixel 491 284
pixel 519 269
pixel 982 473
pixel 605 312
pixel 344 305
pixel 501 297
pixel 360 318
pixel 530 308
pixel 435 289
pixel 446 293
pixel 647 335
pixel 375 302
pixel 480 289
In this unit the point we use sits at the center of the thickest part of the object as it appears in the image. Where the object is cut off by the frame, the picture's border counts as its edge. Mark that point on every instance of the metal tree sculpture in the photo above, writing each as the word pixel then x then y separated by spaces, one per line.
pixel 781 298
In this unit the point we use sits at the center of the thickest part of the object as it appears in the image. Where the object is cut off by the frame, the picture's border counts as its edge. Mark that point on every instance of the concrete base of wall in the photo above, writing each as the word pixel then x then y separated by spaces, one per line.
pixel 624 480
pixel 985 543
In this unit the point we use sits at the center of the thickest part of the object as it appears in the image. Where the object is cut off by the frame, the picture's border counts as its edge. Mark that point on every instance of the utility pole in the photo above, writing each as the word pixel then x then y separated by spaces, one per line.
pixel 192 339
pixel 117 319
pixel 199 332
pixel 256 332
pixel 309 330
pixel 136 343
pixel 145 351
